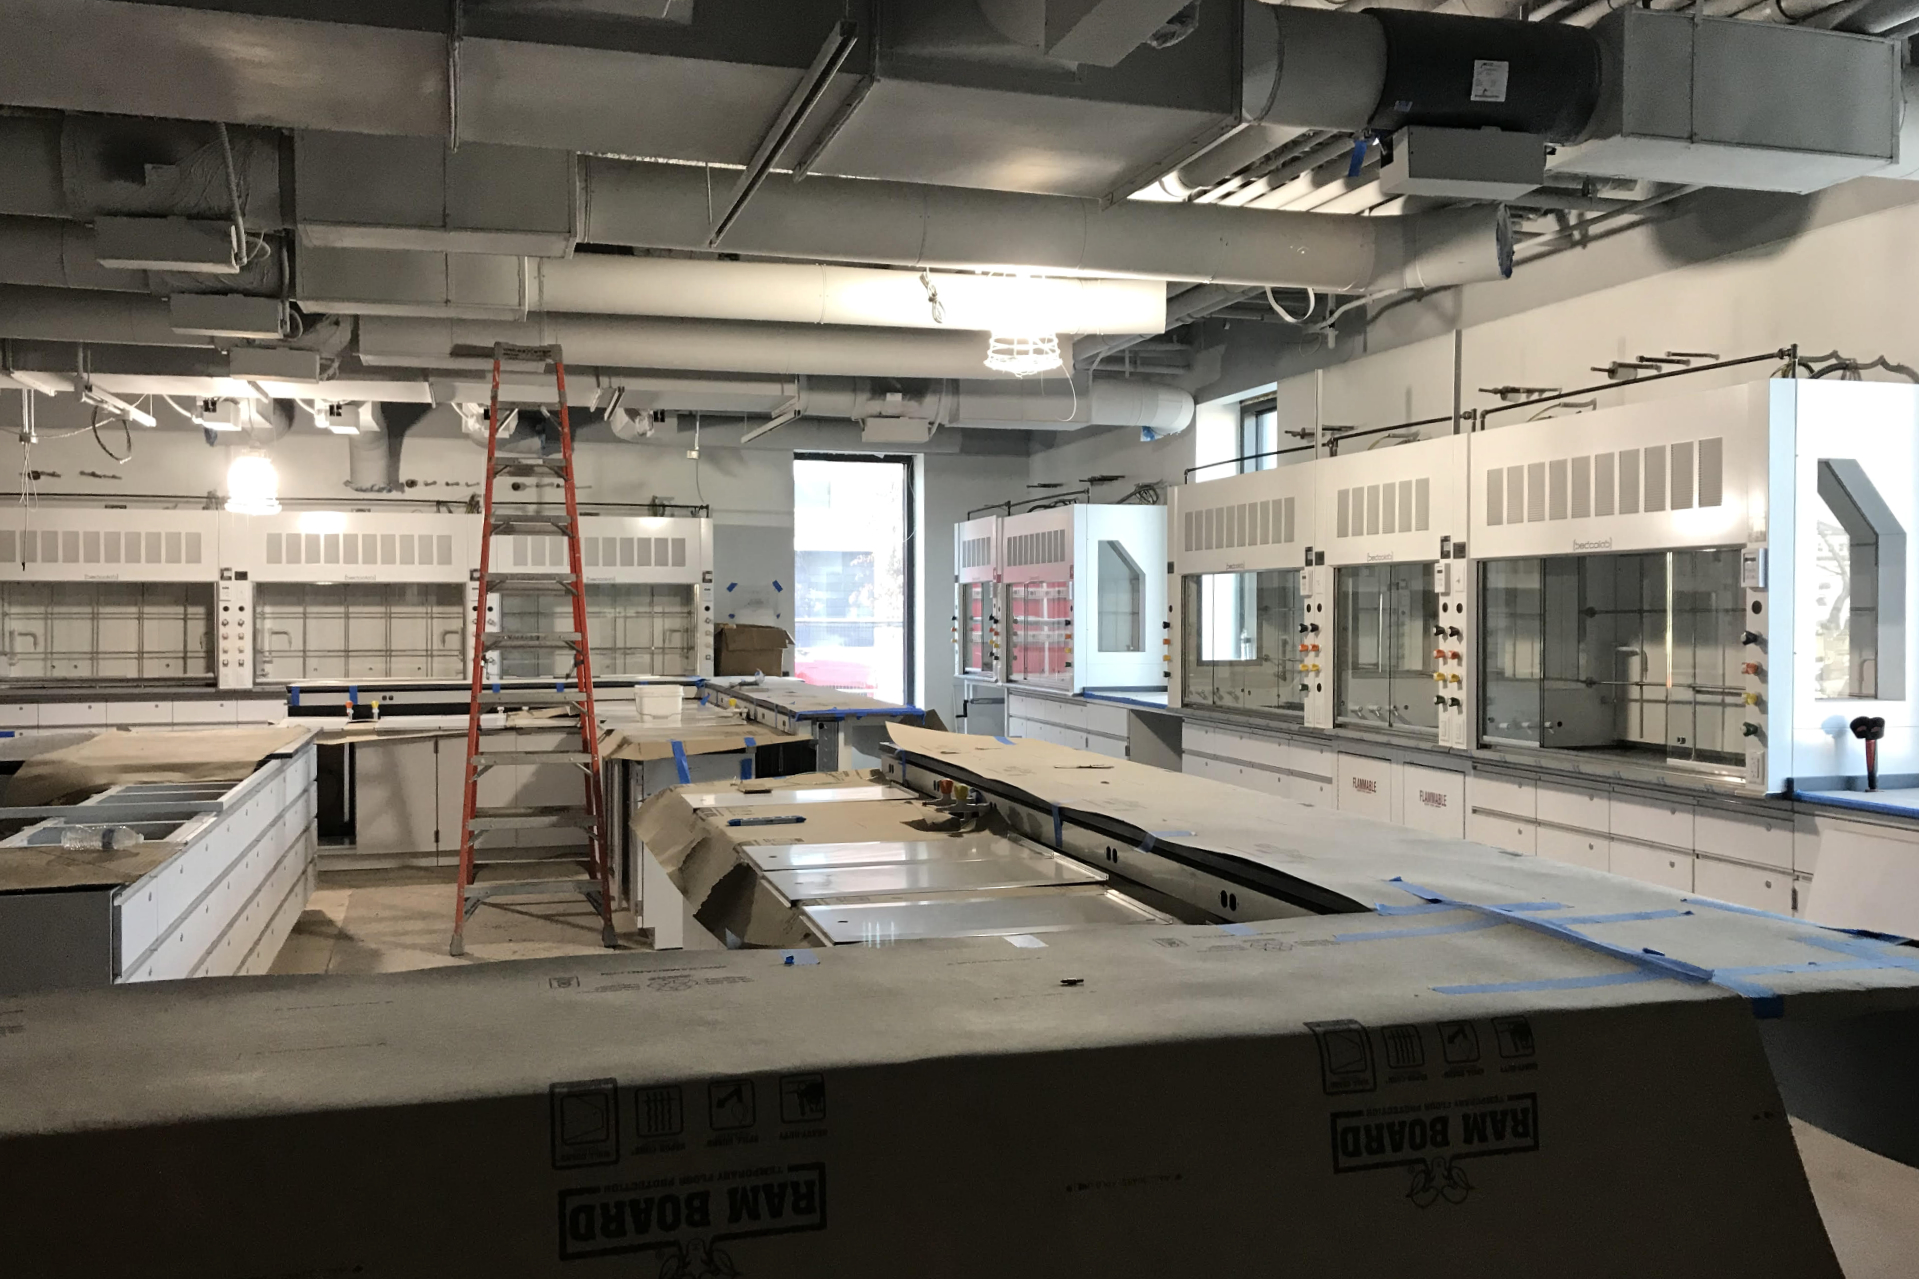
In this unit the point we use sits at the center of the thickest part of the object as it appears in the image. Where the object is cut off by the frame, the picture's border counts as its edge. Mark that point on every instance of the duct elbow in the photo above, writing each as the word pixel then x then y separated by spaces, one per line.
pixel 1439 250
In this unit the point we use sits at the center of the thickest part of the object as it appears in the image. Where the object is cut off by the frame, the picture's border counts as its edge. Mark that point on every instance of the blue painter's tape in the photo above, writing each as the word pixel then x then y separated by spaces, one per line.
pixel 1424 908
pixel 1677 968
pixel 8 732
pixel 1886 956
pixel 730 586
pixel 799 958
pixel 1551 983
pixel 1236 930
pixel 352 694
pixel 1435 930
pixel 1004 741
pixel 496 686
pixel 1621 917
pixel 679 762
pixel 777 586
pixel 1529 908
pixel 293 695
pixel 1059 830
pixel 746 760
pixel 1358 159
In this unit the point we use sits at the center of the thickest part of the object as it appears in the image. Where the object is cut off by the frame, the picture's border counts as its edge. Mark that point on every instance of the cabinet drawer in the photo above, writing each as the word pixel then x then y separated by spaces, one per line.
pixel 1578 848
pixel 1743 885
pixel 1509 833
pixel 1765 840
pixel 1312 761
pixel 1586 810
pixel 1661 866
pixel 1102 718
pixel 1503 795
pixel 1653 821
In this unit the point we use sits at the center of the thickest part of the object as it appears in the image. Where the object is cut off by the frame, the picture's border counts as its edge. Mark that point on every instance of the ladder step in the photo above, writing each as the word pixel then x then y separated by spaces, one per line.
pixel 556 583
pixel 533 697
pixel 494 759
pixel 532 817
pixel 527 466
pixel 531 639
pixel 476 893
pixel 536 525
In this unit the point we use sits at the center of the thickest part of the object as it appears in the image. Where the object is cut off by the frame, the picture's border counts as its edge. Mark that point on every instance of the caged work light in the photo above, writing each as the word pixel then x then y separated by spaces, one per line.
pixel 1023 340
pixel 253 486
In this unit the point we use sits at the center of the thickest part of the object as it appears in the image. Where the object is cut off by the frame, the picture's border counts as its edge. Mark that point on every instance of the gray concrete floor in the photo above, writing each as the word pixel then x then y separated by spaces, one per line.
pixel 389 921
pixel 393 921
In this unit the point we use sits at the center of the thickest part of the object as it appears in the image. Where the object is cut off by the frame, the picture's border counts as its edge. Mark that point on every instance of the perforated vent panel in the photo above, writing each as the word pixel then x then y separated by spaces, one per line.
pixel 1660 477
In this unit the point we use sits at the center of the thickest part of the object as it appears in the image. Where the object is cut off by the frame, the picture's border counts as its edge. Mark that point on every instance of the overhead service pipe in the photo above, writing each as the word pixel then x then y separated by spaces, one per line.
pixel 818 293
pixel 645 342
pixel 663 206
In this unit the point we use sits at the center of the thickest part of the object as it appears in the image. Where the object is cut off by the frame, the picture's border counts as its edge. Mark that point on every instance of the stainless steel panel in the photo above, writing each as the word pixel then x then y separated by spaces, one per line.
pixel 884 852
pixel 975 916
pixel 905 879
pixel 818 795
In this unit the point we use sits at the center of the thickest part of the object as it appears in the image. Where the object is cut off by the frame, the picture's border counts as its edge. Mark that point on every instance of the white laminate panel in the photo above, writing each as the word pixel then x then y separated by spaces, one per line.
pixel 1662 866
pixel 1510 833
pixel 221 711
pixel 1575 806
pixel 1653 821
pixel 19 715
pixel 1434 801
pixel 1507 795
pixel 1365 786
pixel 1104 717
pixel 72 714
pixel 1751 886
pixel 1576 847
pixel 1767 841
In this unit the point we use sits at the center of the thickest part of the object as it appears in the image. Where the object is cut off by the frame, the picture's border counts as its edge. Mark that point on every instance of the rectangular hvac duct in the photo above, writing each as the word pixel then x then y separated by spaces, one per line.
pixel 166 244
pixel 1752 105
pixel 230 315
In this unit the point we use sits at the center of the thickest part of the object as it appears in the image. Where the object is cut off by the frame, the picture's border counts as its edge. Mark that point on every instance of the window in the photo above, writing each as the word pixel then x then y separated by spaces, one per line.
pixel 1122 601
pixel 1859 587
pixel 850 621
pixel 1040 624
pixel 1258 436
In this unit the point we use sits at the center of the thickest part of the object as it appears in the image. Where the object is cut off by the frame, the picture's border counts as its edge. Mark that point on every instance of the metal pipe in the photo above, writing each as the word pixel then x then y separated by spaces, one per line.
pixel 835 219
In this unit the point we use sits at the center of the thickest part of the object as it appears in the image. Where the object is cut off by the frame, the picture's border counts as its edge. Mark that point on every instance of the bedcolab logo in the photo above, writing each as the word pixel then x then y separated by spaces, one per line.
pixel 698 1259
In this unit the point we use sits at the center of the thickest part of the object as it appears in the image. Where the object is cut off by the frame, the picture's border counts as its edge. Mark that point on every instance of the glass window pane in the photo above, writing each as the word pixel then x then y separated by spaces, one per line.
pixel 849 552
pixel 1384 677
pixel 1122 601
pixel 1242 642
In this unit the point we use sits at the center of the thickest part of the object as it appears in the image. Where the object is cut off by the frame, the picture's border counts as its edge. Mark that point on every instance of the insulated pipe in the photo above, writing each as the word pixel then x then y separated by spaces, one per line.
pixel 663 206
pixel 653 343
pixel 372 466
pixel 817 293
pixel 90 316
pixel 1226 157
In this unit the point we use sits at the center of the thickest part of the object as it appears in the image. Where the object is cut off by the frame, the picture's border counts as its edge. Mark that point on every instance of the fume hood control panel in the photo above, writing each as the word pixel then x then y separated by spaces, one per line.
pixel 1451 670
pixel 234 630
pixel 1316 630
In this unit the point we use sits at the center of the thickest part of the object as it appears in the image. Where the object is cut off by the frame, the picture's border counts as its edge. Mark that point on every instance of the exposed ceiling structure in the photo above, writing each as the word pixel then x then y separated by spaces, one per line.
pixel 790 208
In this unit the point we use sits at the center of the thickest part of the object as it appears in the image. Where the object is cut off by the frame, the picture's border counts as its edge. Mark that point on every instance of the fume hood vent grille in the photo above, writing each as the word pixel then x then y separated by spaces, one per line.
pixel 1660 477
pixel 598 552
pixel 1384 510
pixel 351 549
pixel 1045 547
pixel 100 546
pixel 1224 528
pixel 976 552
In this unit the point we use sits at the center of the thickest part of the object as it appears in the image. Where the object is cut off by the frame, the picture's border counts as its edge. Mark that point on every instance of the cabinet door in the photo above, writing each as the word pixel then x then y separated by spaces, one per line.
pixel 1661 866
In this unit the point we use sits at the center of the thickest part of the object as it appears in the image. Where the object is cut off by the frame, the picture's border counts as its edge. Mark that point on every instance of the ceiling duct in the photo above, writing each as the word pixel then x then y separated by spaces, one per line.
pixel 648 342
pixel 664 206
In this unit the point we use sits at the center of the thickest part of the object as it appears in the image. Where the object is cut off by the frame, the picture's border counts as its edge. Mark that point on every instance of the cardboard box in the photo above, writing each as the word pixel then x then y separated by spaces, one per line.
pixel 739 649
pixel 1124 1103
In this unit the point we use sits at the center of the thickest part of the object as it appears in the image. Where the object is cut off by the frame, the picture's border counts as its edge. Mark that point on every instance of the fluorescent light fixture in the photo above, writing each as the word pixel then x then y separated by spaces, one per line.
pixel 114 404
pixel 253 486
